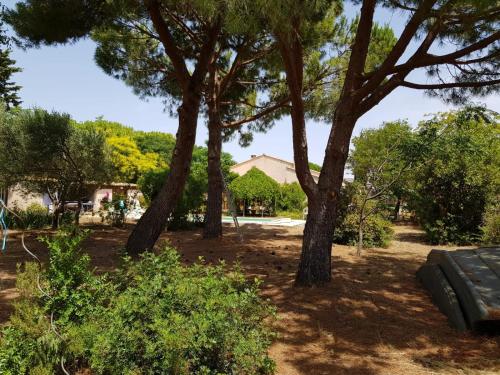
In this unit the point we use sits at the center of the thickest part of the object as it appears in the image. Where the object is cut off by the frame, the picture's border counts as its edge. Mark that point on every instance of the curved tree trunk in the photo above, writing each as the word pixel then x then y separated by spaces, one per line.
pixel 315 260
pixel 213 219
pixel 154 220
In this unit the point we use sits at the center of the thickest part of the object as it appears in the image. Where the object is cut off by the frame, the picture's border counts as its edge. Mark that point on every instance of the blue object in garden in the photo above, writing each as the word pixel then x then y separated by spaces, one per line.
pixel 4 227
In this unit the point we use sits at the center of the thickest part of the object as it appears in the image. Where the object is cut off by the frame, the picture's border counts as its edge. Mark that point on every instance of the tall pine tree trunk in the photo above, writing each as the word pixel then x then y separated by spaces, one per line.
pixel 154 220
pixel 315 260
pixel 213 220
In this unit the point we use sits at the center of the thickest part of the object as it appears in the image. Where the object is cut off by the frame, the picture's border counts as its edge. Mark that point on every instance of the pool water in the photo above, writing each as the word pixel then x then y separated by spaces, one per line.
pixel 249 219
pixel 275 221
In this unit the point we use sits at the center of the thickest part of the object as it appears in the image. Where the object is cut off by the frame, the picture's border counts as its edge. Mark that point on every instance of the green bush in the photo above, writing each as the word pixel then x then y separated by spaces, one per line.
pixel 153 316
pixel 377 231
pixel 491 225
pixel 35 216
pixel 452 189
pixel 449 230
pixel 291 198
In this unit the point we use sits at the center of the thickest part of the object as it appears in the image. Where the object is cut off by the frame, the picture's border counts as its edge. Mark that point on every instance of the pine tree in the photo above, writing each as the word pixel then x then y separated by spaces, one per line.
pixel 8 89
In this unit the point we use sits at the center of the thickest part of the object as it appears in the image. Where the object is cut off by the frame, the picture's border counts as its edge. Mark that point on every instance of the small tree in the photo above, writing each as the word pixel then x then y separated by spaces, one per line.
pixel 52 156
pixel 255 185
pixel 380 162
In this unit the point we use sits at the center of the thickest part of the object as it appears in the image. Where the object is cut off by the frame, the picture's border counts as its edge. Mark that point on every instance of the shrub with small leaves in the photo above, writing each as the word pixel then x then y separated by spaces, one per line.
pixel 178 320
pixel 151 316
pixel 377 231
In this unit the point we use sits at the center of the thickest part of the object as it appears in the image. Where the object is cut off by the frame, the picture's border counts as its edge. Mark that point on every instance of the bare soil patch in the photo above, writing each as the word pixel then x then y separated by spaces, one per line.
pixel 374 318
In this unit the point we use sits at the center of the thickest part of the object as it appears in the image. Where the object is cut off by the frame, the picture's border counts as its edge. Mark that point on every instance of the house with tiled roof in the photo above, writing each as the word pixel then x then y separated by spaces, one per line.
pixel 282 171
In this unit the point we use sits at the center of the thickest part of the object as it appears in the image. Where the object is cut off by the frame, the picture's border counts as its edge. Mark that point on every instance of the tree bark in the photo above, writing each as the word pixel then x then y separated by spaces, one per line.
pixel 315 260
pixel 55 218
pixel 213 219
pixel 397 208
pixel 77 213
pixel 154 220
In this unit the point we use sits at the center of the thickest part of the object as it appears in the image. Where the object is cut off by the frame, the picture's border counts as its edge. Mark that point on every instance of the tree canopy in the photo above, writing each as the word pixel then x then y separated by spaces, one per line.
pixel 460 174
pixel 9 91
pixel 255 185
pixel 133 152
pixel 382 158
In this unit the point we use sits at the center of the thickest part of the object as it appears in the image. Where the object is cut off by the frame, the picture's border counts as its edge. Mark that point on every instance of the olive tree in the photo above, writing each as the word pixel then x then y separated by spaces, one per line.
pixel 52 156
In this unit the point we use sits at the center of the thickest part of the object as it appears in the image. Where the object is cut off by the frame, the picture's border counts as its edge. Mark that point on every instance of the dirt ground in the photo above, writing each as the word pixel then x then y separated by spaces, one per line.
pixel 374 317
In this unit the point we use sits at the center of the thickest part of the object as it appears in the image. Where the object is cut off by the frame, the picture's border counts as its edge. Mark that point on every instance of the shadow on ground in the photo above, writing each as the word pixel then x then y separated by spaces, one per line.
pixel 373 318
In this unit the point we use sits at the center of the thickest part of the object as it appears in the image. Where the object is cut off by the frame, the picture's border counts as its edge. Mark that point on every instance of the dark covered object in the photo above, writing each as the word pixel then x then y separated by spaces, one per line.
pixel 465 285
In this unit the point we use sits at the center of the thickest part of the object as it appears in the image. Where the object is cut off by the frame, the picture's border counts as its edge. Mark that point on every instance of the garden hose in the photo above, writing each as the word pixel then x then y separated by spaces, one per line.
pixel 3 225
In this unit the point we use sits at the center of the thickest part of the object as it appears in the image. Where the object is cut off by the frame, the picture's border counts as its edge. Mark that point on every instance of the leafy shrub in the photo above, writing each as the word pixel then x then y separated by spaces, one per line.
pixel 452 189
pixel 153 316
pixel 449 230
pixel 35 216
pixel 28 342
pixel 291 198
pixel 72 287
pixel 377 231
pixel 491 225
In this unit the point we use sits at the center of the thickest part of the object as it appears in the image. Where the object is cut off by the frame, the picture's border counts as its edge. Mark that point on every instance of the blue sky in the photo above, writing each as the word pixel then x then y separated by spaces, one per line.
pixel 66 79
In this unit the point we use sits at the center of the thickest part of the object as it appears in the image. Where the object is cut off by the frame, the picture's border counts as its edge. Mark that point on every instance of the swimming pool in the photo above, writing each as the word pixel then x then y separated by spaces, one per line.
pixel 275 221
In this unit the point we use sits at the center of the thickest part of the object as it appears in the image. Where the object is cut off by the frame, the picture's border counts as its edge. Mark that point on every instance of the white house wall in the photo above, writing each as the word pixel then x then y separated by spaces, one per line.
pixel 19 199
